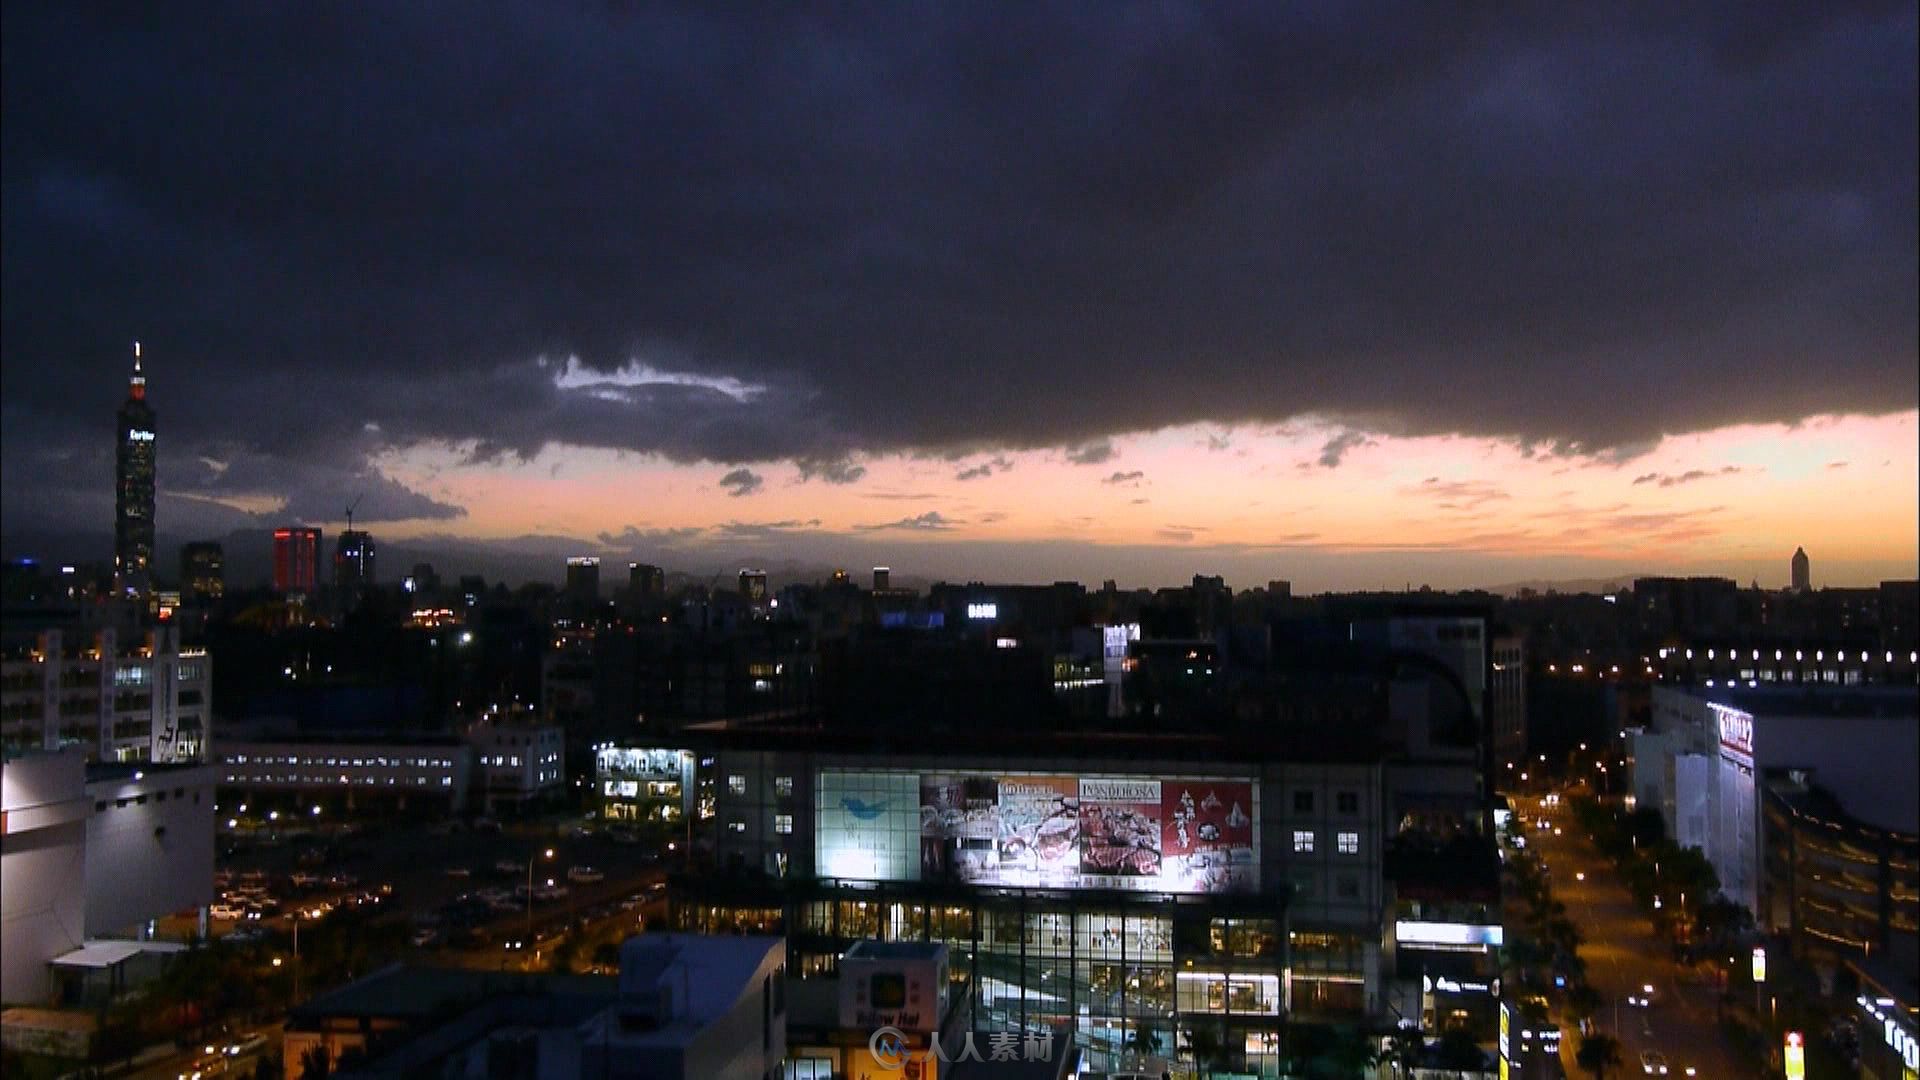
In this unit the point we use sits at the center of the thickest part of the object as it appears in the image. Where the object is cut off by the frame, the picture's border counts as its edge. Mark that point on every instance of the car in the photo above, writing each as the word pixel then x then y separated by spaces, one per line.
pixel 551 892
pixel 509 866
pixel 425 936
pixel 304 880
pixel 247 1044
pixel 226 912
pixel 657 887
pixel 1653 1063
pixel 342 881
pixel 458 872
pixel 585 875
pixel 1643 997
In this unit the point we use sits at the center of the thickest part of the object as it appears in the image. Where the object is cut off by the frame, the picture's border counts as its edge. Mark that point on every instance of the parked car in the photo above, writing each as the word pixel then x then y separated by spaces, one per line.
pixel 585 875
pixel 1653 1063
pixel 458 872
pixel 509 866
pixel 550 892
pixel 226 912
pixel 304 880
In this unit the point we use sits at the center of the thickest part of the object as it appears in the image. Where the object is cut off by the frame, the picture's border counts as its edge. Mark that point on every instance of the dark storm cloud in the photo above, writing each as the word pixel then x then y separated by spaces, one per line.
pixel 741 482
pixel 741 236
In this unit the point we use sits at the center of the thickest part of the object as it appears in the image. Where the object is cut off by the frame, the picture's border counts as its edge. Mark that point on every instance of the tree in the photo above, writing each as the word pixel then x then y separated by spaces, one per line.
pixel 1582 1002
pixel 1404 1049
pixel 1208 1045
pixel 269 1068
pixel 1355 1053
pixel 1598 1053
pixel 316 1063
pixel 1459 1051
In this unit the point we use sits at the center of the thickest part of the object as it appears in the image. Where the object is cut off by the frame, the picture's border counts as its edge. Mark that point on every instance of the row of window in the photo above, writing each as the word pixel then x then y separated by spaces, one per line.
pixel 339 763
pixel 737 785
pixel 1346 843
pixel 141 800
pixel 292 778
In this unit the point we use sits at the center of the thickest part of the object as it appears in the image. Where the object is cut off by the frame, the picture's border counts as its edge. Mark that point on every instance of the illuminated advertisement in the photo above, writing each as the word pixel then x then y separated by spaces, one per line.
pixel 1164 834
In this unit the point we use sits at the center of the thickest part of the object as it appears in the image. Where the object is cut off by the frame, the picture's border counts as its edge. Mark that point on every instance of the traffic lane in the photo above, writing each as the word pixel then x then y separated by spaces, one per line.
pixel 1624 954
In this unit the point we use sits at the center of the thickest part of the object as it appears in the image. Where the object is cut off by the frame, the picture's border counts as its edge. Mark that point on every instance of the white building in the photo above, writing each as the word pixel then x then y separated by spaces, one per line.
pixel 95 852
pixel 150 703
pixel 693 1007
pixel 422 768
pixel 1699 763
pixel 519 761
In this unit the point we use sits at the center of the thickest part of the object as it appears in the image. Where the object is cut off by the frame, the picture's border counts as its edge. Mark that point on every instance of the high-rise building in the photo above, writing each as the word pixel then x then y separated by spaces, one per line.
pixel 583 579
pixel 296 559
pixel 133 496
pixel 881 578
pixel 753 585
pixel 353 561
pixel 646 581
pixel 1802 571
pixel 203 576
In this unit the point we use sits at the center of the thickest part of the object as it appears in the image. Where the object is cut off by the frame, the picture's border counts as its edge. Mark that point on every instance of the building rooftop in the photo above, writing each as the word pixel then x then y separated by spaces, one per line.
pixel 1815 700
pixel 895 950
pixel 403 992
pixel 708 973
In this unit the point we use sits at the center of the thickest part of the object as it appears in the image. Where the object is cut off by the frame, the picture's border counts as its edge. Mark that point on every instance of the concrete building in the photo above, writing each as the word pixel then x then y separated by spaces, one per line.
pixel 519 761
pixel 1508 706
pixel 684 1007
pixel 148 703
pixel 353 561
pixel 638 784
pixel 1705 760
pixel 93 854
pixel 407 771
pixel 203 576
pixel 1802 571
pixel 296 560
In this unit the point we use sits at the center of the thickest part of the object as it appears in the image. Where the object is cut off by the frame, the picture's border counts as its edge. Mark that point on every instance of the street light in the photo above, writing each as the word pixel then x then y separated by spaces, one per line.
pixel 528 940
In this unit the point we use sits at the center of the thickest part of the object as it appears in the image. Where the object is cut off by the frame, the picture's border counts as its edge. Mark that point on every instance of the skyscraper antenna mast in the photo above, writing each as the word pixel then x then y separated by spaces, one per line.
pixel 350 506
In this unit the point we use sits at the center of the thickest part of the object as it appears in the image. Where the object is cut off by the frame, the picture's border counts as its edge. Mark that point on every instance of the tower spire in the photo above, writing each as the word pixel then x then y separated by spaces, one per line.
pixel 139 381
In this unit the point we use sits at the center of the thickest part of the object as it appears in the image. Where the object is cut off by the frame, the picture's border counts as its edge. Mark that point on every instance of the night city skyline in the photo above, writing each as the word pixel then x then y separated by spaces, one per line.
pixel 1359 302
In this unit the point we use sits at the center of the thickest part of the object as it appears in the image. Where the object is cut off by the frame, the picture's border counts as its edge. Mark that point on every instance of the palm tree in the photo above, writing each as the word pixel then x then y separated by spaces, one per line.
pixel 1598 1053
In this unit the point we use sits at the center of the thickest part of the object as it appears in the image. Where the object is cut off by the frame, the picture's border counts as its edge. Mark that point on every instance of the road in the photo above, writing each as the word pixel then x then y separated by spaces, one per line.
pixel 1622 955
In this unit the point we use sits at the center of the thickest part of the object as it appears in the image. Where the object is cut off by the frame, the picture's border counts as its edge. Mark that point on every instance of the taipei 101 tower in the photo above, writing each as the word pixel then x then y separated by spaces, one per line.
pixel 133 494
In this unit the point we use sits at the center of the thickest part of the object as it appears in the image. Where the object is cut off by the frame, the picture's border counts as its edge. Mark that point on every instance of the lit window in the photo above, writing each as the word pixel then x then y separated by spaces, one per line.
pixel 1303 841
pixel 737 784
pixel 783 823
pixel 736 826
pixel 1349 843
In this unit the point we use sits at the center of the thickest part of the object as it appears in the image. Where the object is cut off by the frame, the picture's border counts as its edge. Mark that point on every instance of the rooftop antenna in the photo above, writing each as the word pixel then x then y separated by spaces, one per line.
pixel 350 506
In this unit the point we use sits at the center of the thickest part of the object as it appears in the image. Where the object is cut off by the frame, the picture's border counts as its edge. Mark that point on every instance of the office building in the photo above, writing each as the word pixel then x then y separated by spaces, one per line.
pixel 203 575
pixel 519 761
pixel 583 583
pixel 407 771
pixel 639 784
pixel 753 586
pixel 92 854
pixel 296 560
pixel 882 578
pixel 1508 705
pixel 134 464
pixel 353 562
pixel 147 703
pixel 1802 571
pixel 648 582
pixel 1711 755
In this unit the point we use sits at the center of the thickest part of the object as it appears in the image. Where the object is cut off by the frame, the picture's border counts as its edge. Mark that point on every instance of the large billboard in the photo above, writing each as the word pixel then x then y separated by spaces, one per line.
pixel 1168 834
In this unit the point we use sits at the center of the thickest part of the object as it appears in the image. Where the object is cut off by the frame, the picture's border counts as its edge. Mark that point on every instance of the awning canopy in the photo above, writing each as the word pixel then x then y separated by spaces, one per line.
pixel 96 955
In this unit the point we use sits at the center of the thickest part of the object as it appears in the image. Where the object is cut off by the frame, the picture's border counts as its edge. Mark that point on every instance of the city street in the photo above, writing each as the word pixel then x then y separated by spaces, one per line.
pixel 1623 955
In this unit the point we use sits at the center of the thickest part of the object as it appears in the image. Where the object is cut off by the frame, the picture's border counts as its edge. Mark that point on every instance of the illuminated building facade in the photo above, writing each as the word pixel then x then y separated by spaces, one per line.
pixel 296 559
pixel 134 460
pixel 1104 888
pixel 353 561
pixel 151 703
pixel 203 575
